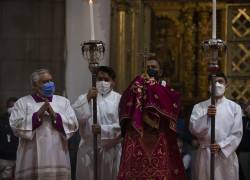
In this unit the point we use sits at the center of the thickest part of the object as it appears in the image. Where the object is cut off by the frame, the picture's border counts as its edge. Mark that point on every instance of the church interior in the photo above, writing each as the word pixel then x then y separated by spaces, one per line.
pixel 48 34
pixel 34 35
pixel 175 30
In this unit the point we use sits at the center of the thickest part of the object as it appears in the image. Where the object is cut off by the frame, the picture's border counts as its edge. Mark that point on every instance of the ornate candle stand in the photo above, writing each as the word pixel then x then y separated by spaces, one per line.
pixel 93 51
pixel 214 49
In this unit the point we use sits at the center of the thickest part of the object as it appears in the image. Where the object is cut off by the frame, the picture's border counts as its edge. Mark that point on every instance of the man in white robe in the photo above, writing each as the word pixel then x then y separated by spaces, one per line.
pixel 43 122
pixel 228 133
pixel 108 129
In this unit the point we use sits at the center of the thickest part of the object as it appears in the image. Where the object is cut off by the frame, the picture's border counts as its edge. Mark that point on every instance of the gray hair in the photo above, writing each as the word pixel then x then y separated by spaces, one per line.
pixel 35 76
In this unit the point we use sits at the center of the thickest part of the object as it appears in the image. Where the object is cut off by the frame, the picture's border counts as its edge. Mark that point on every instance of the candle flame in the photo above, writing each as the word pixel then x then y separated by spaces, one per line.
pixel 90 2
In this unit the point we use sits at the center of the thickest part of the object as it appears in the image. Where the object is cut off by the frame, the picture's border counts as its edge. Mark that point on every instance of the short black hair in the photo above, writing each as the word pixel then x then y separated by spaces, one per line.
pixel 107 70
pixel 217 74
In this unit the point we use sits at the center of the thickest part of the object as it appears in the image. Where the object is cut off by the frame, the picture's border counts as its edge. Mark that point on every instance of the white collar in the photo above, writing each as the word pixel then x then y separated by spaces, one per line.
pixel 219 101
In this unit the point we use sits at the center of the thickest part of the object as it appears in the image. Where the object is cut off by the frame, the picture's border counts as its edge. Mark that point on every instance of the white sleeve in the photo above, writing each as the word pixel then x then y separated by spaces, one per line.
pixel 82 108
pixel 21 120
pixel 230 144
pixel 70 123
pixel 83 113
pixel 199 124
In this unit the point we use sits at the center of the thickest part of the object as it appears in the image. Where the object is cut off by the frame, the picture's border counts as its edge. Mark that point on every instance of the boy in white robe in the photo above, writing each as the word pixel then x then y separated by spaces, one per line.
pixel 108 128
pixel 228 133
pixel 43 122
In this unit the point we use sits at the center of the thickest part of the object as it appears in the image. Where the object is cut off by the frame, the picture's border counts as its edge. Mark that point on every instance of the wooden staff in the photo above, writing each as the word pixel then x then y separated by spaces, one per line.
pixel 213 68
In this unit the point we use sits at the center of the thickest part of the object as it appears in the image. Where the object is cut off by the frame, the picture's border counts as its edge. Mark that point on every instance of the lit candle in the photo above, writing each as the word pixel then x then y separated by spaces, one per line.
pixel 214 20
pixel 92 30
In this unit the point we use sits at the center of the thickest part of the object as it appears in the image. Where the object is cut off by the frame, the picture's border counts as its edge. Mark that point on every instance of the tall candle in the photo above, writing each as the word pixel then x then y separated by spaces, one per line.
pixel 92 29
pixel 214 20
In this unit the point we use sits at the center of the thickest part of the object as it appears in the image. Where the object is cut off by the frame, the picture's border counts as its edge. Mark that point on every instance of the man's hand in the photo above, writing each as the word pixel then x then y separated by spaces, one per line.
pixel 92 93
pixel 215 148
pixel 96 129
pixel 42 110
pixel 211 111
pixel 51 112
pixel 46 107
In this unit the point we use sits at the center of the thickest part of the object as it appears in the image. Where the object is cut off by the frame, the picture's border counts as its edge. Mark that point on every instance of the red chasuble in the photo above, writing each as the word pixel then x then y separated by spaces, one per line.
pixel 148 114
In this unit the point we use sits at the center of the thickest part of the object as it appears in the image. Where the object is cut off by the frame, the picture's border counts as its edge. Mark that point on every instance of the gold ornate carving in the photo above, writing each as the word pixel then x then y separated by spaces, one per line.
pixel 136 33
pixel 238 23
pixel 166 42
pixel 119 56
pixel 126 40
pixel 174 32
pixel 188 52
pixel 190 24
pixel 241 23
pixel 203 33
pixel 239 90
pixel 238 60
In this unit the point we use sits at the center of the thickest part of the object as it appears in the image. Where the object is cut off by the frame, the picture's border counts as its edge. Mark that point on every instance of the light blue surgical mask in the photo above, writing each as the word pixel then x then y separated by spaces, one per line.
pixel 48 89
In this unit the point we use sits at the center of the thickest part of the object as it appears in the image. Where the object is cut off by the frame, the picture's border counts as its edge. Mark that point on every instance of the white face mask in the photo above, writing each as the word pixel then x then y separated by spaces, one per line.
pixel 219 89
pixel 103 87
pixel 10 109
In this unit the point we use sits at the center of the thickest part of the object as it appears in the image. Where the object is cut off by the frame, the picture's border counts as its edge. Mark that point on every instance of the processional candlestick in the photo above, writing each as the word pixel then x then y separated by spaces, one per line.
pixel 93 50
pixel 213 48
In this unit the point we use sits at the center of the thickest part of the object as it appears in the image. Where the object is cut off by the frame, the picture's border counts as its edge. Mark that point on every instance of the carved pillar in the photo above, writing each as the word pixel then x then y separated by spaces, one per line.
pixel 127 40
pixel 147 28
pixel 204 32
pixel 136 28
pixel 118 47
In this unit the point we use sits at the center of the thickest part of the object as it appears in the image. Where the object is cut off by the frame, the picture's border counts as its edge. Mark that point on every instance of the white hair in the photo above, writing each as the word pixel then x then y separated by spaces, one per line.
pixel 35 76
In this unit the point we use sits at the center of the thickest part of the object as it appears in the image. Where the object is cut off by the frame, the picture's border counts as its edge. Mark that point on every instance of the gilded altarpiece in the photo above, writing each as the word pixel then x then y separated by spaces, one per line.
pixel 174 31
pixel 177 32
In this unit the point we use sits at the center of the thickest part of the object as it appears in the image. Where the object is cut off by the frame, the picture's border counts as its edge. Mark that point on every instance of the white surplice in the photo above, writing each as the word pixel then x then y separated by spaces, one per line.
pixel 42 153
pixel 109 148
pixel 228 133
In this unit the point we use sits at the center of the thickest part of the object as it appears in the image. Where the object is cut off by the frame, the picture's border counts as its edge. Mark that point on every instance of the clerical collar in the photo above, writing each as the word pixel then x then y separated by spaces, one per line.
pixel 38 98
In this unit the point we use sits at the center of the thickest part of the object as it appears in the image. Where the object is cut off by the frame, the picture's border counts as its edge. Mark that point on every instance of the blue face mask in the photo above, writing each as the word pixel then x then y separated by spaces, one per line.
pixel 48 89
pixel 152 72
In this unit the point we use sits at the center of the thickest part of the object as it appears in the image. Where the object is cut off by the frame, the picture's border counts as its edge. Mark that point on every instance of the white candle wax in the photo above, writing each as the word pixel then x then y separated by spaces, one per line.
pixel 214 20
pixel 92 29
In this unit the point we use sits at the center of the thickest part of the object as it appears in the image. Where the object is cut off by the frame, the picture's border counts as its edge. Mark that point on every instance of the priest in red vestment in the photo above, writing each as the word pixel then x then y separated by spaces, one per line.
pixel 148 112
